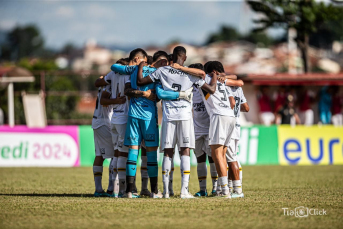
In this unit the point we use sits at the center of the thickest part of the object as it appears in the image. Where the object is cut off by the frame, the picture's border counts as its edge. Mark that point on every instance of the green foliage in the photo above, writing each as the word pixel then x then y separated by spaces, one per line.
pixel 22 42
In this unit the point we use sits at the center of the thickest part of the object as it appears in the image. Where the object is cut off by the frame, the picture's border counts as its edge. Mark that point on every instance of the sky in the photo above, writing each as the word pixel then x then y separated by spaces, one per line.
pixel 126 23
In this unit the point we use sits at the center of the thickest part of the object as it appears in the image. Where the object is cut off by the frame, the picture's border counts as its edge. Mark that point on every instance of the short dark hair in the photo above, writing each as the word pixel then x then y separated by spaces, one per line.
pixel 178 51
pixel 215 65
pixel 149 60
pixel 197 65
pixel 136 52
pixel 206 66
pixel 123 61
pixel 170 57
pixel 158 54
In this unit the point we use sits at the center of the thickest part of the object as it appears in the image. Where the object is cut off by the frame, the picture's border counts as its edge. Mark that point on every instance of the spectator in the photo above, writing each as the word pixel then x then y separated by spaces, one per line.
pixel 337 116
pixel 286 114
pixel 324 105
pixel 1 117
pixel 279 98
pixel 266 115
pixel 305 99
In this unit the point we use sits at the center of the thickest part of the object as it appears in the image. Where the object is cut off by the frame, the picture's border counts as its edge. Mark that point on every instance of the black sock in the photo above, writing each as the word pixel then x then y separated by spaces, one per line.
pixel 153 184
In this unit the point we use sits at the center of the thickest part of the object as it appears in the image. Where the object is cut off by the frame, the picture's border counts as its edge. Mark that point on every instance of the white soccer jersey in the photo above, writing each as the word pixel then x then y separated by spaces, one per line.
pixel 117 82
pixel 102 115
pixel 240 99
pixel 218 103
pixel 200 115
pixel 176 80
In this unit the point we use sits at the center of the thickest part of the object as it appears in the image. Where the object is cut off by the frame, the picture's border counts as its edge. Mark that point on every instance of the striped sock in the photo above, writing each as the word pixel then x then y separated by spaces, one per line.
pixel 153 170
pixel 237 186
pixel 97 172
pixel 202 175
pixel 166 166
pixel 186 171
pixel 214 176
pixel 131 167
pixel 223 182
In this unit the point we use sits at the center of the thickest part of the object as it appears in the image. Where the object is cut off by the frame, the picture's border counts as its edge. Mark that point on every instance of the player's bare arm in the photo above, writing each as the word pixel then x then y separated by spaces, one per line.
pixel 100 82
pixel 140 79
pixel 230 82
pixel 245 107
pixel 232 102
pixel 130 92
pixel 211 88
pixel 192 71
pixel 105 99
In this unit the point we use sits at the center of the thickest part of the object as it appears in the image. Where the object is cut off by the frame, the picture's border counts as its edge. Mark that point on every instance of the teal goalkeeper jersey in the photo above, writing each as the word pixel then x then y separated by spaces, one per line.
pixel 141 108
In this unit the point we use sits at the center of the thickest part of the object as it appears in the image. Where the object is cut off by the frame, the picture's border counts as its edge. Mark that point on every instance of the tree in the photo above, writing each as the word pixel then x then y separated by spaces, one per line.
pixel 226 33
pixel 306 16
pixel 259 38
pixel 22 42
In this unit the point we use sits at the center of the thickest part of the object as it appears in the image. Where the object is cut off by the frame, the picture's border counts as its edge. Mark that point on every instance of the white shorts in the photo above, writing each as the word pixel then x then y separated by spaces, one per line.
pixel 177 132
pixel 118 136
pixel 201 145
pixel 231 152
pixel 103 142
pixel 221 129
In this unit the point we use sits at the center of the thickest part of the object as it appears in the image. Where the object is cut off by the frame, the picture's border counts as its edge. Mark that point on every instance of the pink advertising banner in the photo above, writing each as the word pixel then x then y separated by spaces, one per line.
pixel 52 146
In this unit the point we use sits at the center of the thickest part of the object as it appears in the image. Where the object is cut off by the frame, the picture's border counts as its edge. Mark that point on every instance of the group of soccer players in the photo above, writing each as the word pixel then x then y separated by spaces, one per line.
pixel 126 120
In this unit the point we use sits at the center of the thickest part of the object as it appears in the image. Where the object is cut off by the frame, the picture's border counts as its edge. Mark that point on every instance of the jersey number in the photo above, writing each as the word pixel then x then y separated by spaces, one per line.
pixel 178 88
pixel 222 91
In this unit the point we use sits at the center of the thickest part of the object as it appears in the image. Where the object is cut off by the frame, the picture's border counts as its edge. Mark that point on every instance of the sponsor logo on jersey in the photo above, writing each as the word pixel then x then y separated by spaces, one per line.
pixel 223 105
pixel 150 137
pixel 175 107
pixel 199 107
pixel 175 71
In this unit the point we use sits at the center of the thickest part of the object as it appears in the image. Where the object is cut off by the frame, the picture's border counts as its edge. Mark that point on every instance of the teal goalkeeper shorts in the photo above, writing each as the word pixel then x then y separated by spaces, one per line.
pixel 138 129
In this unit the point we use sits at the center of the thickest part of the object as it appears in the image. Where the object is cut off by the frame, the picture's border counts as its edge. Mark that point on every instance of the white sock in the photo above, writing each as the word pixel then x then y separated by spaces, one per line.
pixel 122 173
pixel 166 166
pixel 115 175
pixel 202 175
pixel 230 185
pixel 97 172
pixel 171 176
pixel 214 176
pixel 110 174
pixel 223 182
pixel 237 186
pixel 186 171
pixel 144 172
pixel 240 172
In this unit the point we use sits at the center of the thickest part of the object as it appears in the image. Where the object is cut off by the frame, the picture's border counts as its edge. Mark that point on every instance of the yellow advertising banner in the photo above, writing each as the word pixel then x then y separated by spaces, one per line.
pixel 315 145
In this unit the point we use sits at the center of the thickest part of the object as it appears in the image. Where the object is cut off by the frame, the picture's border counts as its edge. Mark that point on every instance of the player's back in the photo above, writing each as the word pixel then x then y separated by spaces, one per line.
pixel 218 103
pixel 200 116
pixel 102 114
pixel 176 80
pixel 117 82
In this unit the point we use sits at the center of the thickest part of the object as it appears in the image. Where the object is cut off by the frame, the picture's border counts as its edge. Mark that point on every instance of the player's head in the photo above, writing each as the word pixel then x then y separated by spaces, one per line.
pixel 149 60
pixel 197 65
pixel 179 55
pixel 137 56
pixel 160 59
pixel 170 58
pixel 123 61
pixel 290 101
pixel 206 65
pixel 216 67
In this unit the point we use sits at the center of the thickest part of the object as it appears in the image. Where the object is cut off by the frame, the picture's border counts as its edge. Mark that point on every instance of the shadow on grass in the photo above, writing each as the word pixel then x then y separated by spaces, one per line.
pixel 50 195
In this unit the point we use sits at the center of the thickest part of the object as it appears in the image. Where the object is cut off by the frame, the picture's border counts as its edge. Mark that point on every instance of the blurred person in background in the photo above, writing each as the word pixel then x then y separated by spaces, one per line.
pixel 279 98
pixel 337 103
pixel 287 114
pixel 266 115
pixel 2 117
pixel 305 99
pixel 324 106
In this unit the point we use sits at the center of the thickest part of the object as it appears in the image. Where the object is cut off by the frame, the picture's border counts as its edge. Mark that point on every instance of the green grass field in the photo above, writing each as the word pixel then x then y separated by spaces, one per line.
pixel 61 198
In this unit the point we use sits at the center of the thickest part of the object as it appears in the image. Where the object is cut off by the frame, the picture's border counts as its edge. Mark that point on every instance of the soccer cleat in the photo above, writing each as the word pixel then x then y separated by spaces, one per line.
pixel 101 194
pixel 223 195
pixel 187 196
pixel 120 195
pixel 214 192
pixel 111 193
pixel 236 195
pixel 130 195
pixel 145 192
pixel 171 192
pixel 201 193
pixel 157 195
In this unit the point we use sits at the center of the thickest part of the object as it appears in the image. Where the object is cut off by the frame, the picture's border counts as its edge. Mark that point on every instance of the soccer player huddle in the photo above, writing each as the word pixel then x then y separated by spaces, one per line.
pixel 126 120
